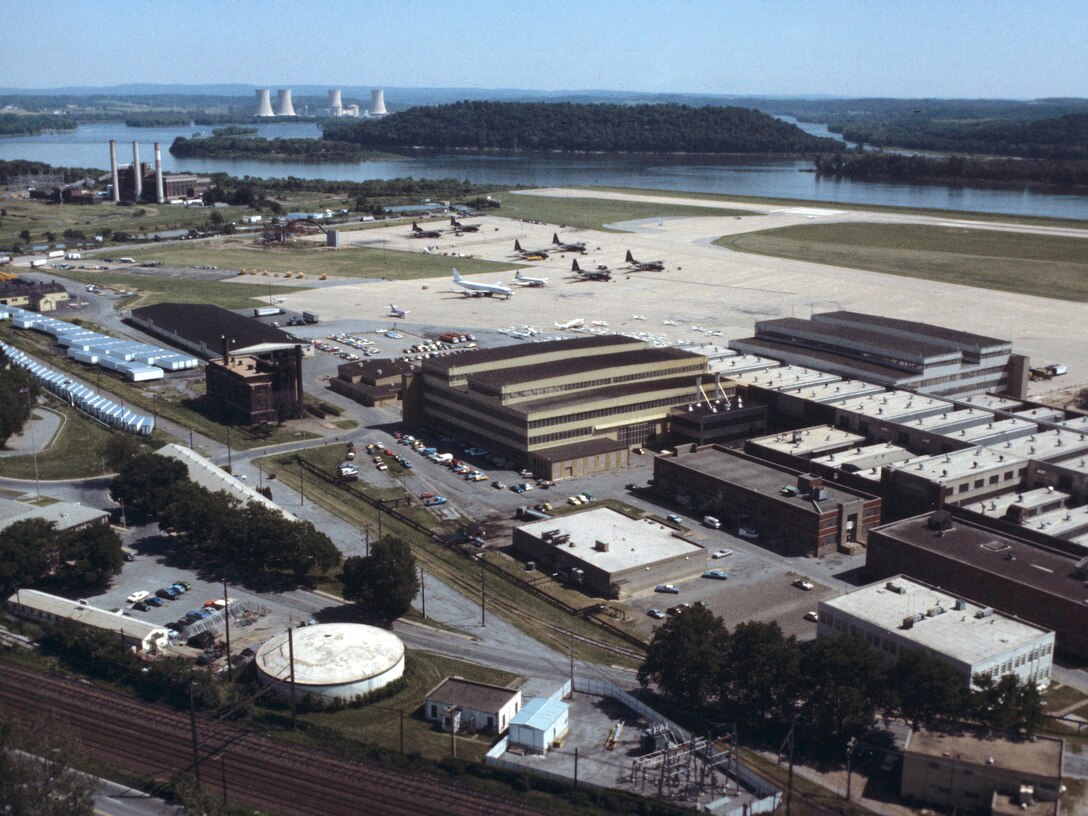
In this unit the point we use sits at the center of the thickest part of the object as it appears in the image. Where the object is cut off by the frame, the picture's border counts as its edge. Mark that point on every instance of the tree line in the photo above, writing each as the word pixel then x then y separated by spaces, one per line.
pixel 15 404
pixel 158 119
pixel 234 146
pixel 586 127
pixel 19 124
pixel 829 692
pixel 35 554
pixel 954 170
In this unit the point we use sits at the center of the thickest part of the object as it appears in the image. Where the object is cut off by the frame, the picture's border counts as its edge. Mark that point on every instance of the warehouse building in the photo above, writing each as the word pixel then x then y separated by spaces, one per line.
pixel 458 704
pixel 893 353
pixel 972 773
pixel 1003 568
pixel 138 635
pixel 791 513
pixel 902 615
pixel 214 479
pixel 949 479
pixel 374 383
pixel 201 328
pixel 564 407
pixel 608 554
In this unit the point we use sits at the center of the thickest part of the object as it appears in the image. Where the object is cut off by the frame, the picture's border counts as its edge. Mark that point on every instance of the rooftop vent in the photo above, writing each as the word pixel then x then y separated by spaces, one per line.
pixel 985 612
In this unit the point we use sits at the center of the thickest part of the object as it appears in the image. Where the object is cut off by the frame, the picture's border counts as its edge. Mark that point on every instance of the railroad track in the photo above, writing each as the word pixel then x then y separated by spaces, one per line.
pixel 276 777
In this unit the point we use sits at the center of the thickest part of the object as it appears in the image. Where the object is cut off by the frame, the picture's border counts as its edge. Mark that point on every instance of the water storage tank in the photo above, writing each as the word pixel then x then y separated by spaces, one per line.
pixel 332 661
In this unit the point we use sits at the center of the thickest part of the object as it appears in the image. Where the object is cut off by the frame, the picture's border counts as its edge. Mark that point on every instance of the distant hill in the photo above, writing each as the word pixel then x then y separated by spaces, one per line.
pixel 569 127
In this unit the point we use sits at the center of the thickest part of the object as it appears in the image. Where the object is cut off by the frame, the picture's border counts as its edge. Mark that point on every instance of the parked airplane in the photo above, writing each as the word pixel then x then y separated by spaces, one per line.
pixel 395 312
pixel 644 266
pixel 530 254
pixel 601 273
pixel 525 280
pixel 577 323
pixel 576 247
pixel 419 232
pixel 474 289
pixel 459 227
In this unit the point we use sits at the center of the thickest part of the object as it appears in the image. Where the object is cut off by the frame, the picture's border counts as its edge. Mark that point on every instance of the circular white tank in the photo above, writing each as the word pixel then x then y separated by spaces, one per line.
pixel 332 661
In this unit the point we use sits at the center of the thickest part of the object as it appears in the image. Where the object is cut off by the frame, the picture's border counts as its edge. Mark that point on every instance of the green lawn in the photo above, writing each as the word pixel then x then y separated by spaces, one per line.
pixel 1042 265
pixel 233 255
pixel 379 722
pixel 152 289
pixel 594 213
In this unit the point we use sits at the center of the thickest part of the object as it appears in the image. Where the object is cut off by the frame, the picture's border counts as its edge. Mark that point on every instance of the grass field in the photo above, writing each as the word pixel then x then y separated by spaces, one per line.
pixel 594 213
pixel 1042 265
pixel 234 254
pixel 379 722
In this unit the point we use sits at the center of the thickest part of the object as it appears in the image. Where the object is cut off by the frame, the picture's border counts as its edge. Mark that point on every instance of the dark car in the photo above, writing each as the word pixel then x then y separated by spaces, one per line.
pixel 193 617
pixel 130 557
pixel 140 606
pixel 153 601
pixel 169 593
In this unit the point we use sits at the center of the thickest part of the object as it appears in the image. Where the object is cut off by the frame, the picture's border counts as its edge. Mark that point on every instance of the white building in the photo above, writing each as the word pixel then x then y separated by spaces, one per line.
pixel 540 723
pixel 902 614
pixel 465 705
pixel 41 606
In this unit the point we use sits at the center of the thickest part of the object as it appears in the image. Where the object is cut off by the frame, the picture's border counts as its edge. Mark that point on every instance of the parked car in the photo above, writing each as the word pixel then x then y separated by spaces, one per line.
pixel 192 616
pixel 675 519
pixel 140 606
pixel 679 608
pixel 435 501
pixel 137 596
pixel 656 614
pixel 748 532
pixel 498 485
pixel 151 600
pixel 801 583
pixel 720 575
pixel 185 585
pixel 670 589
pixel 812 616
pixel 169 593
pixel 721 553
pixel 130 557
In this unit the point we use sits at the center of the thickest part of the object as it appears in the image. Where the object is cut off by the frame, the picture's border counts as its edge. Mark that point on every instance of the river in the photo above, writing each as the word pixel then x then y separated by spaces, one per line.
pixel 87 146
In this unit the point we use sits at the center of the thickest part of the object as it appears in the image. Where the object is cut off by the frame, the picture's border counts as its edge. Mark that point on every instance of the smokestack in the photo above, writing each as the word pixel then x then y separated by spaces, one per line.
pixel 113 172
pixel 137 176
pixel 377 102
pixel 226 353
pixel 159 196
pixel 336 104
pixel 264 104
pixel 283 103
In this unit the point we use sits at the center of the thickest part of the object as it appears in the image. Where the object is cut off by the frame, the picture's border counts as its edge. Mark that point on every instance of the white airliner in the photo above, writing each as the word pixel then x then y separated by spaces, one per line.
pixel 486 289
pixel 571 324
pixel 395 312
pixel 525 280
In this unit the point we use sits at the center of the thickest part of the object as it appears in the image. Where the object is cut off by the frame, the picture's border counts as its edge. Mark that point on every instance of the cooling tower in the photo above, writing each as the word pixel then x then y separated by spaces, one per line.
pixel 377 102
pixel 264 105
pixel 336 104
pixel 160 197
pixel 113 172
pixel 283 103
pixel 137 176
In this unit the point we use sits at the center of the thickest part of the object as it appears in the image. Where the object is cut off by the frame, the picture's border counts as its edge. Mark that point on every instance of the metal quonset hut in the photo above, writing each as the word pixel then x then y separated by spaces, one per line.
pixel 333 661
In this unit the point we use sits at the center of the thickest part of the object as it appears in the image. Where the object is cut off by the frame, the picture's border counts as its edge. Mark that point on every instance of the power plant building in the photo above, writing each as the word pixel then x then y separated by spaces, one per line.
pixel 332 661
pixel 139 182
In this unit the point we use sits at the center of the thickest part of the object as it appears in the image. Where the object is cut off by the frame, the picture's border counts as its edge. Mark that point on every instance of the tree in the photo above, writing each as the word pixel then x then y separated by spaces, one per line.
pixel 90 558
pixel 685 656
pixel 29 550
pixel 926 689
pixel 759 676
pixel 144 483
pixel 845 685
pixel 25 235
pixel 15 403
pixel 119 449
pixel 35 779
pixel 1008 704
pixel 384 583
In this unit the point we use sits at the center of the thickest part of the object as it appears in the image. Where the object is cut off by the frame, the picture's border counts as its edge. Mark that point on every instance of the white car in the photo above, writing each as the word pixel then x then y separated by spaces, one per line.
pixel 721 553
pixel 748 532
pixel 138 596
pixel 801 583
pixel 812 616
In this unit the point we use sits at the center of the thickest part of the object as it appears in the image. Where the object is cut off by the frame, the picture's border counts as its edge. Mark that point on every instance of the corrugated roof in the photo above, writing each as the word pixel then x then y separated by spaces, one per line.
pixel 205 324
pixel 540 713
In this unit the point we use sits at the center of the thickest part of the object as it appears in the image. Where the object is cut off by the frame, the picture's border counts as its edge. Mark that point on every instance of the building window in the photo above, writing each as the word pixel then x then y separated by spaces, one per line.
pixel 434 711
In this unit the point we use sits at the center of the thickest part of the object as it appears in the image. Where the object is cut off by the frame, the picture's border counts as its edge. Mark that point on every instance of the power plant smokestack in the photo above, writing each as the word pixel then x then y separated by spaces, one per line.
pixel 160 198
pixel 113 172
pixel 283 103
pixel 264 104
pixel 336 104
pixel 377 103
pixel 137 176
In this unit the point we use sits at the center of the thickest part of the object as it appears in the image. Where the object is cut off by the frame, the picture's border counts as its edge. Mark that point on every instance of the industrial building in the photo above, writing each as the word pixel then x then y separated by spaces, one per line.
pixel 136 634
pixel 332 661
pixel 214 479
pixel 973 773
pixel 458 704
pixel 790 512
pixel 374 383
pixel 1008 568
pixel 139 182
pixel 67 516
pixel 252 389
pixel 608 554
pixel 902 615
pixel 949 479
pixel 34 295
pixel 542 722
pixel 563 407
pixel 714 422
pixel 893 353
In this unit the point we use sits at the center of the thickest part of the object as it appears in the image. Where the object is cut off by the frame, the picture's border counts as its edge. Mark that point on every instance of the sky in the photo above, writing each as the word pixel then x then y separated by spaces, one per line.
pixel 890 48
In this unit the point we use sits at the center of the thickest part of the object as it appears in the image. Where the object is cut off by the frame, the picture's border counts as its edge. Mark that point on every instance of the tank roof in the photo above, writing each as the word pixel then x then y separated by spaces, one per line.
pixel 331 654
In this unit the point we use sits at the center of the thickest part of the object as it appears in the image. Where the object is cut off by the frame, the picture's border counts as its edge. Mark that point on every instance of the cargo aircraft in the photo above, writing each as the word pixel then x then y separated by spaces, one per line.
pixel 561 247
pixel 473 289
pixel 601 273
pixel 644 266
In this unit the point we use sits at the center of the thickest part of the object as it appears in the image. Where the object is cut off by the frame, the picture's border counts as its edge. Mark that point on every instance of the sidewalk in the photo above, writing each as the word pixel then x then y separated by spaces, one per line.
pixel 37 435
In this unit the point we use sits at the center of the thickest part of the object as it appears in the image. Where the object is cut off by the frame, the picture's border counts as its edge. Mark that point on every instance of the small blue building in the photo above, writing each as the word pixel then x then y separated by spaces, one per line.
pixel 540 723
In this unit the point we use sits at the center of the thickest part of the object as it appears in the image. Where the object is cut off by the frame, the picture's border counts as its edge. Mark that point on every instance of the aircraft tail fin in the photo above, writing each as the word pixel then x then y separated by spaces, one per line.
pixel 630 258
pixel 555 238
pixel 415 227
pixel 456 275
pixel 574 266
pixel 517 245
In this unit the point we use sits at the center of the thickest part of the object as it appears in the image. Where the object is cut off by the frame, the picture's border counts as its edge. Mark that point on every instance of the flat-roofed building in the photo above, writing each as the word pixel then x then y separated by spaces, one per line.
pixel 608 554
pixel 136 634
pixel 893 353
pixel 68 516
pixel 1002 567
pixel 374 383
pixel 706 423
pixel 976 772
pixel 530 399
pixel 794 448
pixel 952 478
pixel 902 615
pixel 792 513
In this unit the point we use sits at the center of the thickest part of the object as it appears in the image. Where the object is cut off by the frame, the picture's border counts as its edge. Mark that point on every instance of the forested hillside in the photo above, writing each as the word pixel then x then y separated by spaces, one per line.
pixel 567 127
pixel 30 124
pixel 955 170
pixel 228 146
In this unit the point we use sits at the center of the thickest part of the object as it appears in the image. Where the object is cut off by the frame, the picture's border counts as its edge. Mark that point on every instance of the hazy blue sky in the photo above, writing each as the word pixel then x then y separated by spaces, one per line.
pixel 943 48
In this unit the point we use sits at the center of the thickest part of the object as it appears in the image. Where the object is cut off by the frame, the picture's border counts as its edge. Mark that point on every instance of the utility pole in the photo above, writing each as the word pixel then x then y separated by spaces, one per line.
pixel 301 485
pixel 33 445
pixel 366 530
pixel 192 725
pixel 576 769
pixel 453 737
pixel 423 592
pixel 291 657
pixel 572 665
pixel 230 461
pixel 190 439
pixel 226 618
pixel 223 774
pixel 849 767
pixel 483 597
pixel 789 778
pixel 402 730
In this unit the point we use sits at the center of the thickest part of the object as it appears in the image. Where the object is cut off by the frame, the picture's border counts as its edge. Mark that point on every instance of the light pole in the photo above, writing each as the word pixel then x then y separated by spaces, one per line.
pixel 33 445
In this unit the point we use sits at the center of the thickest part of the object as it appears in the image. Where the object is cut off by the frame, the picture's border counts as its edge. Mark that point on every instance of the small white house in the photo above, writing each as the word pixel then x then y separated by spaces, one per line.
pixel 539 724
pixel 465 705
